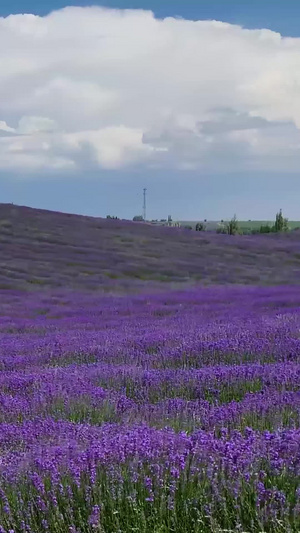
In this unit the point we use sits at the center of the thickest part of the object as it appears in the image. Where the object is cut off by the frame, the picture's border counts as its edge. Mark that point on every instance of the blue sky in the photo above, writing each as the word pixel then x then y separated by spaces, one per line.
pixel 278 15
pixel 250 188
pixel 192 199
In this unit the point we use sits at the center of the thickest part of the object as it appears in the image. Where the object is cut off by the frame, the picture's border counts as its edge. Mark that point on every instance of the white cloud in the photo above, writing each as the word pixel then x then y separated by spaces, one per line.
pixel 4 128
pixel 109 88
pixel 30 125
pixel 112 147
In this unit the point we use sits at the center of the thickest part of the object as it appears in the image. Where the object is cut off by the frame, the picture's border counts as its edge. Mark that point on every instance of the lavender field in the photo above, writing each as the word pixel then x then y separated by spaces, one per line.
pixel 150 365
pixel 174 411
pixel 43 249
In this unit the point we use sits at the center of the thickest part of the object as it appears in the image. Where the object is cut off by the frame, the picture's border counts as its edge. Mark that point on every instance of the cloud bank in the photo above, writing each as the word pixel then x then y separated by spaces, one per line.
pixel 101 88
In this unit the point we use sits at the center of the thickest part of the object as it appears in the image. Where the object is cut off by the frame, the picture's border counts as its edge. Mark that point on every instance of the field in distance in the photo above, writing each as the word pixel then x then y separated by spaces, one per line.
pixel 249 225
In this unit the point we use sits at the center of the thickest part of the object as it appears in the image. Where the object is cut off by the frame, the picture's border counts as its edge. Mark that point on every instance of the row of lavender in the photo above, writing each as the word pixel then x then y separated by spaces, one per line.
pixel 155 413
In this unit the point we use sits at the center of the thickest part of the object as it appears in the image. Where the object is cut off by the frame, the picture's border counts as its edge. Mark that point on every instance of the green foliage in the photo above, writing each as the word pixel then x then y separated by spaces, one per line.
pixel 265 229
pixel 232 227
pixel 200 226
pixel 183 505
pixel 109 217
pixel 138 218
pixel 281 223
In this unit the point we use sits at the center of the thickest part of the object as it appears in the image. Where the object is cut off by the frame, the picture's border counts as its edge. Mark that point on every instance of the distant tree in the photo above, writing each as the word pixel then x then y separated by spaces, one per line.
pixel 232 227
pixel 200 226
pixel 265 229
pixel 111 217
pixel 281 223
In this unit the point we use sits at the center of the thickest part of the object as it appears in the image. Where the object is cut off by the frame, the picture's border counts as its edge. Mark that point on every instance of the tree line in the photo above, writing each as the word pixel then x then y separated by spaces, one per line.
pixel 232 227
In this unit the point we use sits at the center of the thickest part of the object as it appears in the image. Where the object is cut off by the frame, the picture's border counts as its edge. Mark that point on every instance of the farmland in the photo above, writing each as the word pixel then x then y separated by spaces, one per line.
pixel 243 224
pixel 164 402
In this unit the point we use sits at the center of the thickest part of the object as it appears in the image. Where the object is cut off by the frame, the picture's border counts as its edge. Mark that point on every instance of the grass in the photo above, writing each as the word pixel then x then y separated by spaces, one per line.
pixel 136 507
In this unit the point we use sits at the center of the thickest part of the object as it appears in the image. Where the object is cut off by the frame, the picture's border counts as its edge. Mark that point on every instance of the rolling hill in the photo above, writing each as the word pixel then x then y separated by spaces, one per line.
pixel 49 249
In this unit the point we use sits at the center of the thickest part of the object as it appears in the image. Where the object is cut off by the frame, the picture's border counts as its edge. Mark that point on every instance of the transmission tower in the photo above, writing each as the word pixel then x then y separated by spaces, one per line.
pixel 144 205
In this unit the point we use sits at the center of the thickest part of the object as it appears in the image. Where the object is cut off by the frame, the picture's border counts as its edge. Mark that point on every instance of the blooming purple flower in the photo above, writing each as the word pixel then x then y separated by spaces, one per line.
pixel 186 400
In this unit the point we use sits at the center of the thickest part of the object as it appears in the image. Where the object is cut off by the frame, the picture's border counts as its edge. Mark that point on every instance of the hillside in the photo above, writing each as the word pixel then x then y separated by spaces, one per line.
pixel 49 249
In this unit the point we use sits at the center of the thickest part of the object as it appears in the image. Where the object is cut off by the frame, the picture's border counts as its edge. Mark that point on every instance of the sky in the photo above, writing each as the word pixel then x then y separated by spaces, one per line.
pixel 198 101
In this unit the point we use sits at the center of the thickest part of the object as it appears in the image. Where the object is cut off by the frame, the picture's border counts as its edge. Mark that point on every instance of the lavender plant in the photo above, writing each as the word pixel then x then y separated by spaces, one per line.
pixel 157 412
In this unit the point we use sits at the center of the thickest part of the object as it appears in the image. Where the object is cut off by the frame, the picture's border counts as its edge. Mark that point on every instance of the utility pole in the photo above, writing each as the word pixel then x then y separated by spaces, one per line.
pixel 144 205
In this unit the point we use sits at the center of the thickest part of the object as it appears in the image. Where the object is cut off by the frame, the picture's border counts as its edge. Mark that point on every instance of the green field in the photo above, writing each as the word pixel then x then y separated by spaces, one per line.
pixel 244 224
pixel 255 224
